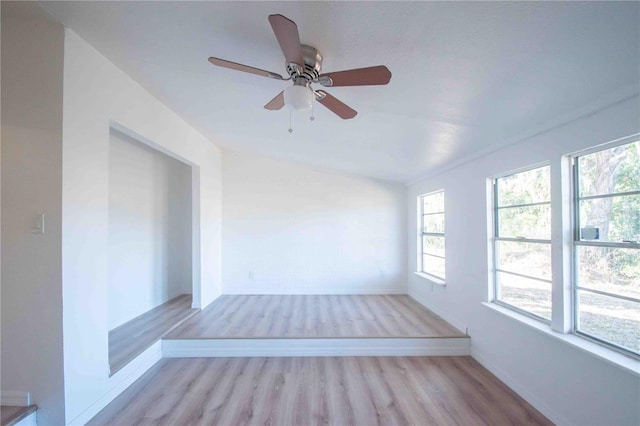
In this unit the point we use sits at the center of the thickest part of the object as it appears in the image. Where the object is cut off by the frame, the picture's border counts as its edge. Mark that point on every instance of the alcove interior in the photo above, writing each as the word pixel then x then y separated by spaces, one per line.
pixel 150 283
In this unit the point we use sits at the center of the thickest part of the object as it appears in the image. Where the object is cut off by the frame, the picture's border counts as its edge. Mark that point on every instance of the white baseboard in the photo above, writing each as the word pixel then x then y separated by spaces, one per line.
pixel 122 380
pixel 178 348
pixel 421 299
pixel 15 398
pixel 520 389
pixel 30 420
pixel 329 290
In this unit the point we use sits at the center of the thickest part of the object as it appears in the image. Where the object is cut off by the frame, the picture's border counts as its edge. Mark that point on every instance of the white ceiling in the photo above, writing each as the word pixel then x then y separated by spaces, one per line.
pixel 467 77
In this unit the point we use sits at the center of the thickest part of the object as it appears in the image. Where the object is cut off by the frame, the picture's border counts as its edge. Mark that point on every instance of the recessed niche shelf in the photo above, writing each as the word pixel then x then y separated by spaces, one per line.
pixel 133 337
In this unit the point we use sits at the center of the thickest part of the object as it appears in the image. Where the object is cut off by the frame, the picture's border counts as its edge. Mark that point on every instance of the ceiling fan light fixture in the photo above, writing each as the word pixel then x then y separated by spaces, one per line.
pixel 298 98
pixel 303 64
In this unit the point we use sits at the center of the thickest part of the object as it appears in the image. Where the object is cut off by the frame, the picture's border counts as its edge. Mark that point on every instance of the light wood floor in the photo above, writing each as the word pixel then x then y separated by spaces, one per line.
pixel 276 316
pixel 11 415
pixel 135 336
pixel 310 391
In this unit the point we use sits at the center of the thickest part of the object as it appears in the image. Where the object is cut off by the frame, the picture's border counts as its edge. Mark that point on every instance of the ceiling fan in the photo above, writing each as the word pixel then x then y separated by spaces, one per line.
pixel 304 65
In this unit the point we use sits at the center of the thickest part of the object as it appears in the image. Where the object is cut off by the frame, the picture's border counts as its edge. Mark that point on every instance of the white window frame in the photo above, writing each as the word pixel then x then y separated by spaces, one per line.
pixel 421 267
pixel 577 241
pixel 496 238
pixel 563 225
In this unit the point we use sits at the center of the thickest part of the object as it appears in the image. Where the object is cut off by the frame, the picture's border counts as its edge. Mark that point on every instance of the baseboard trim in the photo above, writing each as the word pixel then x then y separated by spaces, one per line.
pixel 122 380
pixel 520 389
pixel 422 299
pixel 312 291
pixel 180 348
pixel 25 417
pixel 15 398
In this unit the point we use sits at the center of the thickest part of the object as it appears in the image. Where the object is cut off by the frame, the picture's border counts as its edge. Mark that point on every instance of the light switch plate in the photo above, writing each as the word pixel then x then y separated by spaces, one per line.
pixel 38 227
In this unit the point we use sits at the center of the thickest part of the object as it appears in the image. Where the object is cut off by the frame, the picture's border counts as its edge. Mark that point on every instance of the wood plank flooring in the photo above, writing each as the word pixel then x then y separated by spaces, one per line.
pixel 327 390
pixel 11 414
pixel 276 316
pixel 135 336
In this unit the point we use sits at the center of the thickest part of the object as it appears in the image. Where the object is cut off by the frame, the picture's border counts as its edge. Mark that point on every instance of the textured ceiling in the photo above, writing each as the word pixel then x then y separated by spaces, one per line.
pixel 467 77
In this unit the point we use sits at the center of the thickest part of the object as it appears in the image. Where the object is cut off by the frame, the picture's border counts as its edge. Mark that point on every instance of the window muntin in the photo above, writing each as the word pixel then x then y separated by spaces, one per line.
pixel 623 221
pixel 609 319
pixel 512 192
pixel 606 249
pixel 522 242
pixel 531 222
pixel 432 239
pixel 516 256
pixel 531 296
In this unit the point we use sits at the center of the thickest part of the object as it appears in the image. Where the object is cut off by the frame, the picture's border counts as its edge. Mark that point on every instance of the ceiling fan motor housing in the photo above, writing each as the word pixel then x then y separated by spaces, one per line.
pixel 304 66
pixel 312 67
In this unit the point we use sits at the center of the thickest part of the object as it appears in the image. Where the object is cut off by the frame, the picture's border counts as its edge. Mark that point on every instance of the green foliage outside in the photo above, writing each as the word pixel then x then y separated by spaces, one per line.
pixel 609 269
pixel 612 270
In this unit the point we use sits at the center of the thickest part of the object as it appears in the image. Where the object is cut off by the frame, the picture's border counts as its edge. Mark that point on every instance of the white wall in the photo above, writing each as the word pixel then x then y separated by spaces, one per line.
pixel 290 229
pixel 32 357
pixel 149 228
pixel 567 384
pixel 98 96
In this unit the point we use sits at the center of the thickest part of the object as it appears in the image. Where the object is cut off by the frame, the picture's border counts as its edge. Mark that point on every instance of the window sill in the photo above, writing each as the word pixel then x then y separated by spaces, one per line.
pixel 431 278
pixel 615 358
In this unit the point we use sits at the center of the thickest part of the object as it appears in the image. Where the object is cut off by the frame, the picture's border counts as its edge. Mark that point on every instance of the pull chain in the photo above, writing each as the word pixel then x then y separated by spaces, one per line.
pixel 312 118
pixel 290 128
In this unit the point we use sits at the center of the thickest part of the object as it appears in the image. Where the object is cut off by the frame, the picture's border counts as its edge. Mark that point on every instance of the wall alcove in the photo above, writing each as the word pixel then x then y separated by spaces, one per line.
pixel 150 267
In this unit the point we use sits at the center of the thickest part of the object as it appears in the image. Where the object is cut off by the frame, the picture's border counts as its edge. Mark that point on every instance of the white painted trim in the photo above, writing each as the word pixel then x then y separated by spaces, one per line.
pixel 520 389
pixel 30 420
pixel 628 364
pixel 459 325
pixel 176 348
pixel 431 278
pixel 15 398
pixel 121 380
pixel 265 289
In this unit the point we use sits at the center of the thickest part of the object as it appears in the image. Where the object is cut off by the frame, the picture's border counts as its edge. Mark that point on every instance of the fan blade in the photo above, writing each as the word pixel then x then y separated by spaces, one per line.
pixel 286 32
pixel 337 107
pixel 276 103
pixel 245 68
pixel 358 77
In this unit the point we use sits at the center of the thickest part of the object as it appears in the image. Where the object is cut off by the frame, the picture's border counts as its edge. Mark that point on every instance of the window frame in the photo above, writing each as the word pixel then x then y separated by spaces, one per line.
pixel 577 241
pixel 563 226
pixel 422 234
pixel 496 239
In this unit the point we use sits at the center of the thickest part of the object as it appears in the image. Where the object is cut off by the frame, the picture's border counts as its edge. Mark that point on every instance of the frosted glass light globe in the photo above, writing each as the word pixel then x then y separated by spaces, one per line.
pixel 298 98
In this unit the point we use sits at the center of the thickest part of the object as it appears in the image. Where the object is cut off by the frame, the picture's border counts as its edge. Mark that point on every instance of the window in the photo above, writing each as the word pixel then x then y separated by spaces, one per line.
pixel 606 246
pixel 522 242
pixel 432 230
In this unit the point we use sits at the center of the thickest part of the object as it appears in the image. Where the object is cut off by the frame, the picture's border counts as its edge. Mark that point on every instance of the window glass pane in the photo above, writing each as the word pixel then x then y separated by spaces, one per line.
pixel 433 223
pixel 615 218
pixel 433 203
pixel 433 245
pixel 529 259
pixel 610 171
pixel 614 270
pixel 611 319
pixel 524 188
pixel 433 265
pixel 528 222
pixel 527 294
